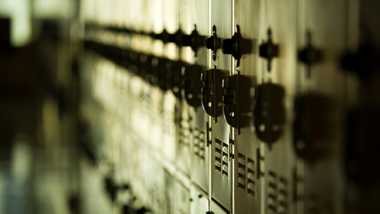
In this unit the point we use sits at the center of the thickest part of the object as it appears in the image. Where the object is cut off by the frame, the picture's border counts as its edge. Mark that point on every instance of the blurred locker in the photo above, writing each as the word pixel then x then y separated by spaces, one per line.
pixel 274 96
pixel 239 109
pixel 200 159
pixel 319 105
pixel 219 134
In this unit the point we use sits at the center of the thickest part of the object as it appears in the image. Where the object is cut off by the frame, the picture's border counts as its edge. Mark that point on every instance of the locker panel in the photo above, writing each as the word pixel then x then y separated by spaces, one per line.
pixel 183 138
pixel 183 110
pixel 220 159
pixel 247 187
pixel 326 80
pixel 246 182
pixel 170 23
pixel 197 117
pixel 200 159
pixel 246 173
pixel 277 20
pixel 221 19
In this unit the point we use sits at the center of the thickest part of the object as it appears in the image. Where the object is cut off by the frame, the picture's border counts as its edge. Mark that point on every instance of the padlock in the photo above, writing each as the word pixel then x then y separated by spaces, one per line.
pixel 238 100
pixel 212 91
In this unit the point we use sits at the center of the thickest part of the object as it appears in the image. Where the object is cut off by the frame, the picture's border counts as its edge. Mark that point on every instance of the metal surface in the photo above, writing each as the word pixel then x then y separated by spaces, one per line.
pixel 176 157
pixel 325 78
pixel 247 185
pixel 221 18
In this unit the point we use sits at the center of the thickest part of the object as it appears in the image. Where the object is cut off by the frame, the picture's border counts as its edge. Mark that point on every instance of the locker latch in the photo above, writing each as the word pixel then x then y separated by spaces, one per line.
pixel 151 70
pixel 269 112
pixel 238 100
pixel 164 36
pixel 269 50
pixel 196 40
pixel 145 62
pixel 313 125
pixel 180 38
pixel 177 78
pixel 164 73
pixel 309 55
pixel 212 92
pixel 193 85
pixel 237 46
pixel 363 62
pixel 213 42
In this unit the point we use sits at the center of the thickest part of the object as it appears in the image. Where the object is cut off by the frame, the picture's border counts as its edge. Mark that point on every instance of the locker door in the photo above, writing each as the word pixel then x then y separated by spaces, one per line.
pixel 184 136
pixel 221 22
pixel 198 118
pixel 276 77
pixel 170 23
pixel 246 182
pixel 321 82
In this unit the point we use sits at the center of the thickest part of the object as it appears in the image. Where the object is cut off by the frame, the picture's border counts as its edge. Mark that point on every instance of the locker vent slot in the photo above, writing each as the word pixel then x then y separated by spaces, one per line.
pixel 199 144
pixel 221 157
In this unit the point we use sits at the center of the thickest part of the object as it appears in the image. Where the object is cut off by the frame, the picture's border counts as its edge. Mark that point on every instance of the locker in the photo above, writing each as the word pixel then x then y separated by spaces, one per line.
pixel 246 174
pixel 322 78
pixel 185 55
pixel 255 125
pixel 276 27
pixel 221 27
pixel 197 117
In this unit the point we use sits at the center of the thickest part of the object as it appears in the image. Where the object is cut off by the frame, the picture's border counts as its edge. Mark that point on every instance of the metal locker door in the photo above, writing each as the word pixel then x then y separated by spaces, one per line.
pixel 156 22
pixel 246 183
pixel 273 115
pixel 320 84
pixel 184 138
pixel 128 156
pixel 139 118
pixel 221 24
pixel 198 118
pixel 170 23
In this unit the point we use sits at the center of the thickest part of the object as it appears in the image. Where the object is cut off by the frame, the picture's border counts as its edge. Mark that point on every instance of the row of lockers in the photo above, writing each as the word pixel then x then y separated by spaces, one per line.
pixel 181 158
